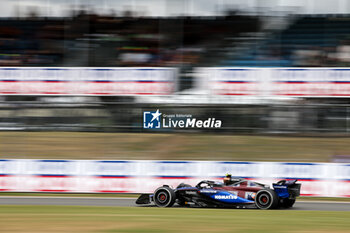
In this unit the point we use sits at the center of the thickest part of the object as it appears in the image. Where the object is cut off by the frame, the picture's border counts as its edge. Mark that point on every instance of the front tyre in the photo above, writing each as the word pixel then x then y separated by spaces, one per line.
pixel 164 197
pixel 266 199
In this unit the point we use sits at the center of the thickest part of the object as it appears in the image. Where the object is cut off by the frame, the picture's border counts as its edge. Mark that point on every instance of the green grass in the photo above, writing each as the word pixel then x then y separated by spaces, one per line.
pixel 144 219
pixel 77 145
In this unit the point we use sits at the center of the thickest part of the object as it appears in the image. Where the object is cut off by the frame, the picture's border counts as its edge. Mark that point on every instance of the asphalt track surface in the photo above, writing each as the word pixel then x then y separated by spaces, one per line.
pixel 130 202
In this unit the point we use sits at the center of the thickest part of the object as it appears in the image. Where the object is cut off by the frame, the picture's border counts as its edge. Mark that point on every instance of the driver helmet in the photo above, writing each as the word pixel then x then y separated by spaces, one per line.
pixel 227 178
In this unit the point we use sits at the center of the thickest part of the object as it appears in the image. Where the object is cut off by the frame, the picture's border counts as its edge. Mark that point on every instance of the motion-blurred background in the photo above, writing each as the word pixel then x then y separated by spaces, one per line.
pixel 76 77
pixel 186 35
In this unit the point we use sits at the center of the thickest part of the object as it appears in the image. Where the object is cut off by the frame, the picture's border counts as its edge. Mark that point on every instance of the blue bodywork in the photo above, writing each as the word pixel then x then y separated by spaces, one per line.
pixel 232 198
pixel 281 190
pixel 213 194
pixel 227 197
pixel 221 195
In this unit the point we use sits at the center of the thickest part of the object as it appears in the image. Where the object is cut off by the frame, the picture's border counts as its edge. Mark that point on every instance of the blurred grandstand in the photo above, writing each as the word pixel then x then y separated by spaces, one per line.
pixel 233 39
pixel 309 41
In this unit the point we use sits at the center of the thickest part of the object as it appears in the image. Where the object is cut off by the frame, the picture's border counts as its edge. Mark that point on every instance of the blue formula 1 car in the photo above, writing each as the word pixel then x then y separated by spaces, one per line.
pixel 233 193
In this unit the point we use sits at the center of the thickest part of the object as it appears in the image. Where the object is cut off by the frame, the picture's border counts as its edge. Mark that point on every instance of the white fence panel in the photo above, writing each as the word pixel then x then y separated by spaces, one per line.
pixel 137 176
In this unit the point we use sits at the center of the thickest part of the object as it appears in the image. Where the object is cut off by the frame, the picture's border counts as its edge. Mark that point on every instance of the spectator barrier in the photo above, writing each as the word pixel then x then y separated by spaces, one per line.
pixel 274 82
pixel 87 81
pixel 269 82
pixel 136 176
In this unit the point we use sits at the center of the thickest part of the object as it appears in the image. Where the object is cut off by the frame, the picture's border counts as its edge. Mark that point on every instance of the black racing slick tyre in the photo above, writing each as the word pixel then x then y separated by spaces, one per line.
pixel 266 199
pixel 164 197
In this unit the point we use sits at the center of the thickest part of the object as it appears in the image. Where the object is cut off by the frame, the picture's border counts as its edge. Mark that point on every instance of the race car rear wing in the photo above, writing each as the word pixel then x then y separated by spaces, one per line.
pixel 287 188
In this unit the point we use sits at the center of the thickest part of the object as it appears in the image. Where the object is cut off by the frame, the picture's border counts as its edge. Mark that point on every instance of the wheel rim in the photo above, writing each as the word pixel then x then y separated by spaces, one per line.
pixel 264 199
pixel 162 197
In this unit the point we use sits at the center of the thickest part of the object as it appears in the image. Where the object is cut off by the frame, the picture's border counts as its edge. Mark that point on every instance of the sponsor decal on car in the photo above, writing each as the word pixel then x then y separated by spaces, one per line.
pixel 225 197
pixel 208 191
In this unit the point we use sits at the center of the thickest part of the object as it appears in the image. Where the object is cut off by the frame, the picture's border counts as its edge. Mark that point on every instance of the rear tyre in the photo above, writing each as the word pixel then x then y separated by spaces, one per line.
pixel 266 199
pixel 164 197
pixel 288 203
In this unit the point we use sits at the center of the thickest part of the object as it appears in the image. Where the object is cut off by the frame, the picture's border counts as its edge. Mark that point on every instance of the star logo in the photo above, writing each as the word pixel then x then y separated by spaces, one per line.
pixel 156 115
pixel 151 120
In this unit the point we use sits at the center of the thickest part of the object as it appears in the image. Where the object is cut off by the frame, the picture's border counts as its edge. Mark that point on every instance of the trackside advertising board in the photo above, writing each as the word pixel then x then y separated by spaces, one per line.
pixel 87 81
pixel 270 82
pixel 134 176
